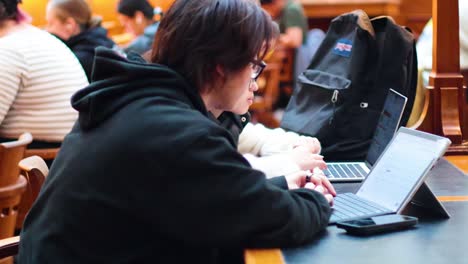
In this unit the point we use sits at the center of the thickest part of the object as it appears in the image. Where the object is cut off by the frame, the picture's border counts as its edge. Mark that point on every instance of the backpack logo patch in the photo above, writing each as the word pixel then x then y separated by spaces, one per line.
pixel 343 47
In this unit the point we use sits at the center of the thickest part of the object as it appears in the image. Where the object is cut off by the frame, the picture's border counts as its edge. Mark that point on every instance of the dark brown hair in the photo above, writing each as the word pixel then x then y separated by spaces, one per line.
pixel 130 7
pixel 195 36
pixel 8 9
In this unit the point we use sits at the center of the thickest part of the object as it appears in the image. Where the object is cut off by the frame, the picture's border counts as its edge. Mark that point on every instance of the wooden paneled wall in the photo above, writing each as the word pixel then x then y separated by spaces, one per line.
pixel 416 13
pixel 413 13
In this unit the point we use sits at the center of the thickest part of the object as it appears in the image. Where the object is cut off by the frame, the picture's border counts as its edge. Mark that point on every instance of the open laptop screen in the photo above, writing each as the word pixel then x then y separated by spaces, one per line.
pixel 402 167
pixel 387 125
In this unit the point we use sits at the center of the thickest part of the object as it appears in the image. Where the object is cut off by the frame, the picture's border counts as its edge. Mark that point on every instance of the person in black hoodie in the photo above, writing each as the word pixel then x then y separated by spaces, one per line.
pixel 148 175
pixel 72 22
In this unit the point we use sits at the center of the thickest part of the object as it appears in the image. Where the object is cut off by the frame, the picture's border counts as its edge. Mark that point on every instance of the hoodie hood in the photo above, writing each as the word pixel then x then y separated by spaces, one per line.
pixel 89 40
pixel 118 81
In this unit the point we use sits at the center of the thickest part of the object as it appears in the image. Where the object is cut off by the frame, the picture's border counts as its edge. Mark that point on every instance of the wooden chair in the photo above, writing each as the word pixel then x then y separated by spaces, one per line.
pixel 287 70
pixel 267 95
pixel 12 185
pixel 35 170
pixel 10 197
pixel 46 154
pixel 10 154
pixel 268 91
pixel 9 246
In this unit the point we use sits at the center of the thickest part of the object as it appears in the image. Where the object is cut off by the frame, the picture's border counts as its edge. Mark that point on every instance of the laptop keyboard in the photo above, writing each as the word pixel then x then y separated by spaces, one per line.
pixel 345 171
pixel 350 206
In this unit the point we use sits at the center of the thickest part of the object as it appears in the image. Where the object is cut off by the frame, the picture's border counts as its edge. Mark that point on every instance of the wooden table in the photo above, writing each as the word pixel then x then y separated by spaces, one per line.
pixel 452 199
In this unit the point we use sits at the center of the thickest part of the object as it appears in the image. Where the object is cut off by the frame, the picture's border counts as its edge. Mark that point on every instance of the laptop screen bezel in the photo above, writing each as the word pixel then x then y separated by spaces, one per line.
pixel 405 100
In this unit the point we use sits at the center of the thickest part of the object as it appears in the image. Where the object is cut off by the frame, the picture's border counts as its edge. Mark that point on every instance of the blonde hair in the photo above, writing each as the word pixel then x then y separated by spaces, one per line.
pixel 79 10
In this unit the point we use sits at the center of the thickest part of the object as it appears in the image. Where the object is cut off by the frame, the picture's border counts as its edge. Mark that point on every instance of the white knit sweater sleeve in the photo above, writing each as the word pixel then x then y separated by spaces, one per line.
pixel 261 141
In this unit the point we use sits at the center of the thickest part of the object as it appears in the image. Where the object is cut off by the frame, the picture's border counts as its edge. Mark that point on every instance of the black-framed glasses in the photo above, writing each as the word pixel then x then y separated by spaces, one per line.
pixel 257 68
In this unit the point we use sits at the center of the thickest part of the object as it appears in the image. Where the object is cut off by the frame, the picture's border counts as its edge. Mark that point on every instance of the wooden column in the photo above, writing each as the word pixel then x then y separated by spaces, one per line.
pixel 446 96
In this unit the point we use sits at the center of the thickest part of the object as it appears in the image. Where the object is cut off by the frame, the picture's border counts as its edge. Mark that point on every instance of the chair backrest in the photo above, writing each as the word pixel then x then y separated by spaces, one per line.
pixel 268 92
pixel 35 170
pixel 46 154
pixel 10 197
pixel 9 246
pixel 10 154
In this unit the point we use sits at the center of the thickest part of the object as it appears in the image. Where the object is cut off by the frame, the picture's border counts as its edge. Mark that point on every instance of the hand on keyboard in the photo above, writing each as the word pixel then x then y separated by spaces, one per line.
pixel 322 190
pixel 317 178
pixel 306 160
pixel 310 143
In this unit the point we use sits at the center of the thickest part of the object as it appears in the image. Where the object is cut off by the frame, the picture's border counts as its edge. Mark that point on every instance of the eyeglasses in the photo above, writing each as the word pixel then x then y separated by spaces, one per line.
pixel 257 68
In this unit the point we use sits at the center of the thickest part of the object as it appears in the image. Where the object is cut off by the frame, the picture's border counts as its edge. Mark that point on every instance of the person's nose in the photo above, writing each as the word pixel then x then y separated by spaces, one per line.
pixel 253 85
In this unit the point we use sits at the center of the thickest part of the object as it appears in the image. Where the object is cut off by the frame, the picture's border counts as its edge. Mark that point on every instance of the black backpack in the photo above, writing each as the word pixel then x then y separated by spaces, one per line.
pixel 340 96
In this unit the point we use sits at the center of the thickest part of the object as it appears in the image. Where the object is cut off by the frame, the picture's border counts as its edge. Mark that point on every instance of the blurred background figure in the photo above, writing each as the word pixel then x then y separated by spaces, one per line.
pixel 38 75
pixel 297 45
pixel 72 22
pixel 137 18
pixel 291 20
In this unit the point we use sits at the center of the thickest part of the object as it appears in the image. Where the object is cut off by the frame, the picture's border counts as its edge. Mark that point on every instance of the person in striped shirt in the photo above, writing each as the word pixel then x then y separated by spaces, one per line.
pixel 38 75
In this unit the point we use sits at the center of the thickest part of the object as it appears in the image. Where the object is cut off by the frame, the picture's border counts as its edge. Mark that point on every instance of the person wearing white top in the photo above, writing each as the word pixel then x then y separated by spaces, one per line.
pixel 277 152
pixel 38 75
pixel 273 151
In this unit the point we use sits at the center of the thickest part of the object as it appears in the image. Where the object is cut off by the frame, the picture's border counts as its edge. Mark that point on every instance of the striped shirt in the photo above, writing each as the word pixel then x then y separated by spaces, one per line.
pixel 38 75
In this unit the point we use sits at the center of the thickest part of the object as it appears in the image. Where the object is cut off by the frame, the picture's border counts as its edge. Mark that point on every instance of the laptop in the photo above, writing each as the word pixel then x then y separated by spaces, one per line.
pixel 396 177
pixel 386 127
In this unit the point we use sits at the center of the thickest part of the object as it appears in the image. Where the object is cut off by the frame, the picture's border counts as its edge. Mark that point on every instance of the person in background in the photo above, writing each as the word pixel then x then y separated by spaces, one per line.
pixel 137 18
pixel 293 26
pixel 148 161
pixel 291 20
pixel 38 75
pixel 72 22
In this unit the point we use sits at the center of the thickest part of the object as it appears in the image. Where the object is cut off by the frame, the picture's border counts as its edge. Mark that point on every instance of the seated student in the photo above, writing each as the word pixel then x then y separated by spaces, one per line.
pixel 137 18
pixel 72 22
pixel 291 20
pixel 38 75
pixel 148 163
pixel 293 26
pixel 273 151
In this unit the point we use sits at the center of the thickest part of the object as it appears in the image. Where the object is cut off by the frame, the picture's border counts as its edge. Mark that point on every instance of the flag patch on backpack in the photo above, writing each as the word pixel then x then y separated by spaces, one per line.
pixel 343 47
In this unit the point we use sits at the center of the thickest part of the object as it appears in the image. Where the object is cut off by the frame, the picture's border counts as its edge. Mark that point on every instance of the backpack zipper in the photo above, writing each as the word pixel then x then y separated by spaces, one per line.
pixel 333 100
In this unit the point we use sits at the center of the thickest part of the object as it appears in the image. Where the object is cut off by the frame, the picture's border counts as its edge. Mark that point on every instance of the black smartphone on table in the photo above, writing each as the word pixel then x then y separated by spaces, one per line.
pixel 377 224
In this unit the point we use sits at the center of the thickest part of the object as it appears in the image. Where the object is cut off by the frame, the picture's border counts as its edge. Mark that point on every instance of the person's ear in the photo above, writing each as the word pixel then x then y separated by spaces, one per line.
pixel 71 26
pixel 220 75
pixel 220 71
pixel 139 17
